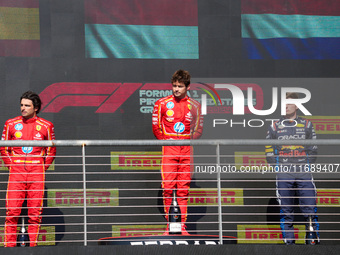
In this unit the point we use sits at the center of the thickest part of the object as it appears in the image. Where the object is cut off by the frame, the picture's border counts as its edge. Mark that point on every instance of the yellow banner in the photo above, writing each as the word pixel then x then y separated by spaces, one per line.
pixel 325 124
pixel 75 197
pixel 19 23
pixel 136 160
pixel 267 234
pixel 250 158
pixel 328 197
pixel 209 197
pixel 137 230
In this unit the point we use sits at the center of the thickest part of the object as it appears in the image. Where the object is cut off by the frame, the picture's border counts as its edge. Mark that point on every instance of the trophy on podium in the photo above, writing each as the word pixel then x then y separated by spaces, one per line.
pixel 311 236
pixel 175 217
pixel 23 239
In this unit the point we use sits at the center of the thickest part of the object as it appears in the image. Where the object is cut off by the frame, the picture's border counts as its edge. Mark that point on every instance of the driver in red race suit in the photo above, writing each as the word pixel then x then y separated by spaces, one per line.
pixel 27 166
pixel 177 117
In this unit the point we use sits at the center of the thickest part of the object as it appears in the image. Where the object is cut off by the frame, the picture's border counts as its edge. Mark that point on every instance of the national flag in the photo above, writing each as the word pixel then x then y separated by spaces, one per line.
pixel 148 29
pixel 19 28
pixel 291 29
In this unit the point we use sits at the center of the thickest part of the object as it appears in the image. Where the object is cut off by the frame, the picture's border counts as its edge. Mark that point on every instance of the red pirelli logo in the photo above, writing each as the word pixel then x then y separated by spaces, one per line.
pixel 328 197
pixel 75 198
pixel 325 124
pixel 267 234
pixel 137 230
pixel 210 197
pixel 250 158
pixel 136 160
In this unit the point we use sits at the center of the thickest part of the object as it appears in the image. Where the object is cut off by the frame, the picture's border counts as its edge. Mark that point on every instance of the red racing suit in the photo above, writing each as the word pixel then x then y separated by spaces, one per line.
pixel 177 119
pixel 27 166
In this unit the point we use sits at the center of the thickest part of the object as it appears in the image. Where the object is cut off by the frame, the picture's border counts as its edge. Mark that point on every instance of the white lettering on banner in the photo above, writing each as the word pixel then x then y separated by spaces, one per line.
pixel 238 100
pixel 244 122
pixel 176 242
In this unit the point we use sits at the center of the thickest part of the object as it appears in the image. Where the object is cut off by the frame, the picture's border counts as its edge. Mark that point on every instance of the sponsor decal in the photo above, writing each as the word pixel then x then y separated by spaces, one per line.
pixel 292 153
pixel 75 197
pixel 170 113
pixel 292 137
pixel 27 149
pixel 210 197
pixel 38 127
pixel 328 197
pixel 46 235
pixel 38 136
pixel 292 147
pixel 170 105
pixel 4 168
pixel 325 124
pixel 267 234
pixel 136 160
pixel 188 116
pixel 18 126
pixel 18 134
pixel 250 158
pixel 179 127
pixel 137 230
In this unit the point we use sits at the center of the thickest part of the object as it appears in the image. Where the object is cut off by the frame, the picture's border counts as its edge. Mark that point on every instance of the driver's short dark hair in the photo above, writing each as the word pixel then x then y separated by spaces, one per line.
pixel 34 97
pixel 181 76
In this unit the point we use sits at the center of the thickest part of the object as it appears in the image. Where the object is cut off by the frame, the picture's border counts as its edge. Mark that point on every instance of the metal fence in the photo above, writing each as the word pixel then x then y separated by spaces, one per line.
pixel 104 188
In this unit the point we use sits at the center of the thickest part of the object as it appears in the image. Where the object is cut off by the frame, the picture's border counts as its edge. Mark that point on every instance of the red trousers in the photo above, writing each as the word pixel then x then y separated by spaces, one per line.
pixel 26 180
pixel 176 175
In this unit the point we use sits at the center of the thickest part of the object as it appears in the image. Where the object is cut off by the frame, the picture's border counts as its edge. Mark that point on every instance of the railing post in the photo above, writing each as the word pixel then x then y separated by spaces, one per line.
pixel 218 161
pixel 84 194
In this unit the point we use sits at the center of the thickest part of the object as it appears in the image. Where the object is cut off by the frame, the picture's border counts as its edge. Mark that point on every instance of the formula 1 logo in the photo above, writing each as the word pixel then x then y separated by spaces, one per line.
pixel 108 97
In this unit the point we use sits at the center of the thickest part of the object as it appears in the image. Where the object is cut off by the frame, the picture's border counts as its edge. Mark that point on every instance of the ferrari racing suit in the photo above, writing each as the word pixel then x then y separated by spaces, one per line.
pixel 27 166
pixel 294 180
pixel 177 119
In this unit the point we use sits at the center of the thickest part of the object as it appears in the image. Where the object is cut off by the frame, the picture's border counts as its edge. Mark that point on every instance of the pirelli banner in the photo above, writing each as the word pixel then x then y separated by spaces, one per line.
pixel 75 198
pixel 256 162
pixel 136 160
pixel 267 234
